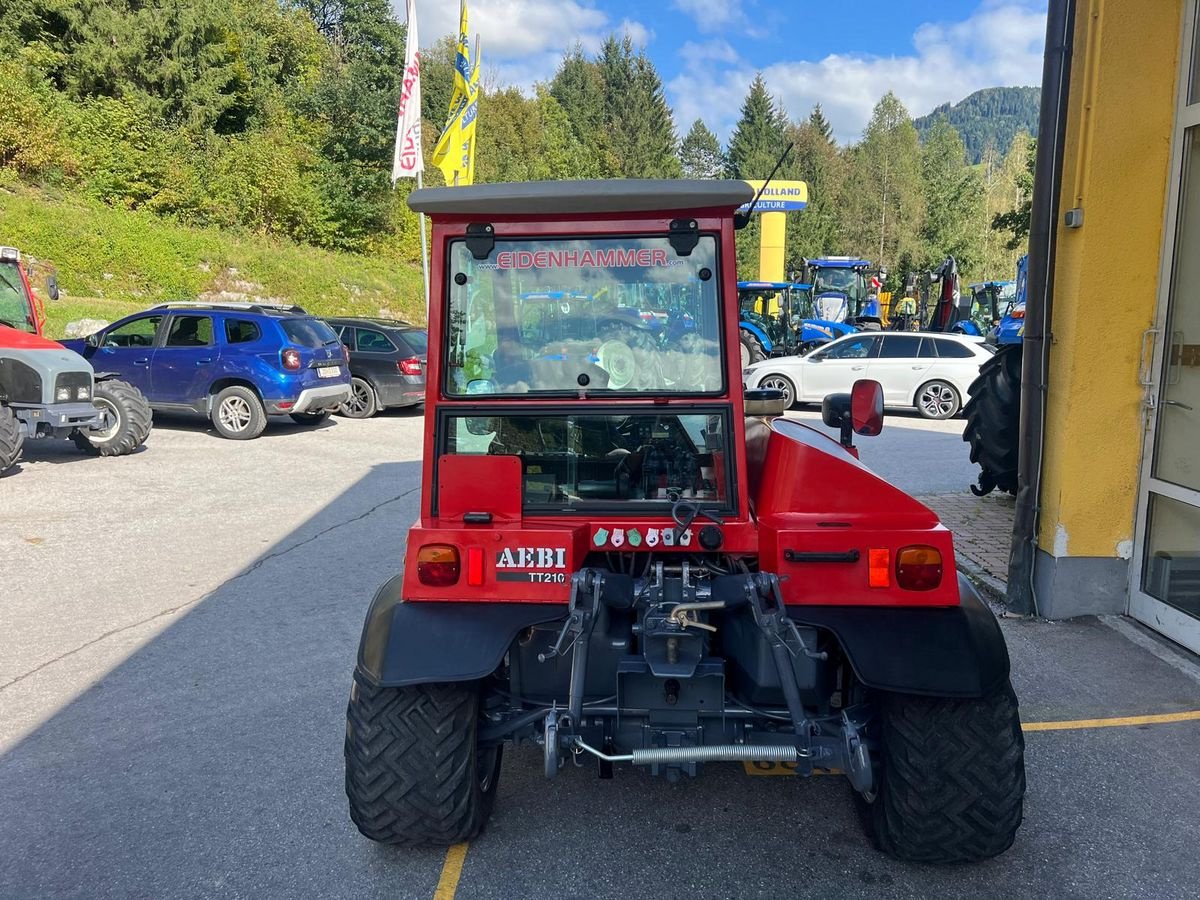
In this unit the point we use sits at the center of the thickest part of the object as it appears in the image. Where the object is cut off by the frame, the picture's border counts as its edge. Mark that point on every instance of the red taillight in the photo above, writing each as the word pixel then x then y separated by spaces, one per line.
pixel 475 566
pixel 291 359
pixel 879 568
pixel 919 568
pixel 1018 313
pixel 410 366
pixel 345 351
pixel 437 565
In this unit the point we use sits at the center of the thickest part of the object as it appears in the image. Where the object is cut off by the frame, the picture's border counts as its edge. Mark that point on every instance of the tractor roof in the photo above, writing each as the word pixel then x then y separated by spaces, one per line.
pixel 992 284
pixel 838 262
pixel 566 197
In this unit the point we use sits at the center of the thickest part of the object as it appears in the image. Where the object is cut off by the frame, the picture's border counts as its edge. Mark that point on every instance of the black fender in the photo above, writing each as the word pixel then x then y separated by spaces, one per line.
pixel 956 651
pixel 105 376
pixel 420 643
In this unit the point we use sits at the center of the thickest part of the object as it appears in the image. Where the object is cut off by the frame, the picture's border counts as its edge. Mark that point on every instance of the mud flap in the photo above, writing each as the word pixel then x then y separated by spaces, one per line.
pixel 423 643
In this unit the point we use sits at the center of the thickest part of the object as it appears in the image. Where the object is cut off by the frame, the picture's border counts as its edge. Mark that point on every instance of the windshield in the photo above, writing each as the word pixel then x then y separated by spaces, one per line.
pixel 626 315
pixel 15 310
pixel 572 461
pixel 843 280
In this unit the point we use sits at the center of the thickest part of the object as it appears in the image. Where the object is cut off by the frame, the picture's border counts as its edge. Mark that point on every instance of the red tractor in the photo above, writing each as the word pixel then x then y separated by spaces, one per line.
pixel 49 391
pixel 623 558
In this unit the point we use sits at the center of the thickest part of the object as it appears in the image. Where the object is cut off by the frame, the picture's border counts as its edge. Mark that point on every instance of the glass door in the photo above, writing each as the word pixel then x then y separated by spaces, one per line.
pixel 1166 580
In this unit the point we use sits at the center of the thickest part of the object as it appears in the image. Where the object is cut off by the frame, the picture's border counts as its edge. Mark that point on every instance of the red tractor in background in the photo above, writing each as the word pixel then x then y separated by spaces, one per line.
pixel 49 391
pixel 623 557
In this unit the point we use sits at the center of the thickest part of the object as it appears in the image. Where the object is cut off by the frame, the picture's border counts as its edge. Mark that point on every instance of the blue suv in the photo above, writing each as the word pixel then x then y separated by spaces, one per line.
pixel 235 363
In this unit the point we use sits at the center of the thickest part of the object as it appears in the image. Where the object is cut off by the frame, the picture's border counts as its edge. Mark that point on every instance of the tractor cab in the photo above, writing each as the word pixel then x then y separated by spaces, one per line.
pixel 623 557
pixel 843 290
pixel 19 306
pixel 780 319
pixel 990 302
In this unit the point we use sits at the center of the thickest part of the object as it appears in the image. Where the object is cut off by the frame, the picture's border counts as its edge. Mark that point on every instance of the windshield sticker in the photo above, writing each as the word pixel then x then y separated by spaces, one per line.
pixel 616 258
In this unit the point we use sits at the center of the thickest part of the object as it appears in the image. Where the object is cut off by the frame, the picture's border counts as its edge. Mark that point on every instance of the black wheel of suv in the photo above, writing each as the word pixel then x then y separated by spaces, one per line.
pixel 937 400
pixel 310 418
pixel 362 403
pixel 752 350
pixel 238 414
pixel 415 774
pixel 11 439
pixel 951 777
pixel 125 421
pixel 994 421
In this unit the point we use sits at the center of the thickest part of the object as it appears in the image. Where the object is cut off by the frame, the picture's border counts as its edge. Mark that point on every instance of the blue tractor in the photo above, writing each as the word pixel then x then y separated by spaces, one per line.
pixel 843 291
pixel 1011 329
pixel 776 318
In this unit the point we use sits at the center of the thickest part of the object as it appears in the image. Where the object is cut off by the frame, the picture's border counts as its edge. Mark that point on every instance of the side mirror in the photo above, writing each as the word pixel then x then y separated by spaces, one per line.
pixel 765 402
pixel 93 339
pixel 481 386
pixel 866 407
pixel 52 287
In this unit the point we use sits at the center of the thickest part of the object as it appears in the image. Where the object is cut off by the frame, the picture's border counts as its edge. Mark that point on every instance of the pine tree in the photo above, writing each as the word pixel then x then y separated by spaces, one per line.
pixel 953 200
pixel 884 197
pixel 818 121
pixel 757 140
pixel 700 153
pixel 578 87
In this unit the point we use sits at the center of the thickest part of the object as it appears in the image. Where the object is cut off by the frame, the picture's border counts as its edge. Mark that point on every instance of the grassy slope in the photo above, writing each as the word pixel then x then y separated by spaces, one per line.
pixel 112 262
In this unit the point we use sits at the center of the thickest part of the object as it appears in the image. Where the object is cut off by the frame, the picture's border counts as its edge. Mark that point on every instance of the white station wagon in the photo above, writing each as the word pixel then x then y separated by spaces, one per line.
pixel 931 372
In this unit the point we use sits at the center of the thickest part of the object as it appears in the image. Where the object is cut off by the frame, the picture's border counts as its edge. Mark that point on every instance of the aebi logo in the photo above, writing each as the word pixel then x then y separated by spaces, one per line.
pixel 531 558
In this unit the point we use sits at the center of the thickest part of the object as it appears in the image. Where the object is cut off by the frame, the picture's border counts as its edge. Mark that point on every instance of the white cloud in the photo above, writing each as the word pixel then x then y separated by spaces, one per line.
pixel 999 44
pixel 712 16
pixel 524 40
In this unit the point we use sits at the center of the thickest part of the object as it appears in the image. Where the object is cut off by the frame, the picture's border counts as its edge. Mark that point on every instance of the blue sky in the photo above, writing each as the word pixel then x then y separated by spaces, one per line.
pixel 843 55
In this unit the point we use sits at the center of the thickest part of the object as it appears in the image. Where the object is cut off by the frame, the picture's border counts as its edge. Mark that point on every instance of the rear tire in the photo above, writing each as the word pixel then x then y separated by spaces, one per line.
pixel 937 400
pixel 994 421
pixel 12 438
pixel 127 424
pixel 752 350
pixel 238 414
pixel 414 772
pixel 312 418
pixel 362 403
pixel 951 779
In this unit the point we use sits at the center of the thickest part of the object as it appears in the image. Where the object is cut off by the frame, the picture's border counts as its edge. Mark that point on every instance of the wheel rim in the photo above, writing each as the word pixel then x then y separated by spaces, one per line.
pixel 745 354
pixel 234 413
pixel 360 398
pixel 110 421
pixel 938 400
pixel 778 384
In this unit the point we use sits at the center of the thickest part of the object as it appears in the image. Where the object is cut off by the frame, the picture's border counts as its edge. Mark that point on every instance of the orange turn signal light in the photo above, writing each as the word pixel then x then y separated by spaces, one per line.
pixel 437 565
pixel 879 568
pixel 919 568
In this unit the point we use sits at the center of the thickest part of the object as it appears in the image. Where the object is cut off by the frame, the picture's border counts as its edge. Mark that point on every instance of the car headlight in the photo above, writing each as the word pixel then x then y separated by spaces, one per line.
pixel 84 393
pixel 62 394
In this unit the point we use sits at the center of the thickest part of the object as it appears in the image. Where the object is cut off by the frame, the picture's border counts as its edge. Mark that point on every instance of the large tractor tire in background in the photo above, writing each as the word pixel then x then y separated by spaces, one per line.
pixel 752 348
pixel 994 421
pixel 11 439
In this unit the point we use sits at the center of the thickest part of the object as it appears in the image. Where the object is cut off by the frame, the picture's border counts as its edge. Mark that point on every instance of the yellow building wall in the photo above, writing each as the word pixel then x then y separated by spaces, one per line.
pixel 1116 168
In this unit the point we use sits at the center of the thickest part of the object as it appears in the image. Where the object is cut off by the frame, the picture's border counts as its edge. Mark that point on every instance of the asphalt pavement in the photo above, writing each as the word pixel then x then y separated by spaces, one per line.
pixel 177 633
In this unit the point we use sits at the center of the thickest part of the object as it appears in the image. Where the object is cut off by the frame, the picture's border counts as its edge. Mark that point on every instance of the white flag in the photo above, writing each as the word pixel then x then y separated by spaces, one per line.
pixel 407 160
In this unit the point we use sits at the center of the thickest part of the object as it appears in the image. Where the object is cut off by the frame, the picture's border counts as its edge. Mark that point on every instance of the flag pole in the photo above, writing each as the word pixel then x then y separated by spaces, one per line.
pixel 424 252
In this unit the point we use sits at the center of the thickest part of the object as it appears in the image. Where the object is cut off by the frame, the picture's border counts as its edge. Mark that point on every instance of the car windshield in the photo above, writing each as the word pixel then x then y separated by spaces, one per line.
pixel 308 332
pixel 626 315
pixel 14 305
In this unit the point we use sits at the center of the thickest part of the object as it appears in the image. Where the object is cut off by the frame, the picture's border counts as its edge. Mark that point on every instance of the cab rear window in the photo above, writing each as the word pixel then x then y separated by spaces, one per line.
pixel 308 332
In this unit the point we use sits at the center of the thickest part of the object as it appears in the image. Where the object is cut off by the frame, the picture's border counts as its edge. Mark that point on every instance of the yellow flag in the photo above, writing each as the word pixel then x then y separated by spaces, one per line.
pixel 447 155
pixel 470 117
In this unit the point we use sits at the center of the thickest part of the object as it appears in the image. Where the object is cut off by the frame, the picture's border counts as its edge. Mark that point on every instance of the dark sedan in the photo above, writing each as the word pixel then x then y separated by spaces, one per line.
pixel 387 364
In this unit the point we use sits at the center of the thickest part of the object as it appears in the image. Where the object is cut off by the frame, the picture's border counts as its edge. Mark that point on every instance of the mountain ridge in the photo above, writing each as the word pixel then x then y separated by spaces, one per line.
pixel 996 113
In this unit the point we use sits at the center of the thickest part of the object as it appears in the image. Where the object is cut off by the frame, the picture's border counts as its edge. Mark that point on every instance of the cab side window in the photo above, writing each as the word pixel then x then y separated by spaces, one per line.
pixel 138 333
pixel 373 341
pixel 241 331
pixel 190 331
pixel 858 348
pixel 953 350
pixel 900 346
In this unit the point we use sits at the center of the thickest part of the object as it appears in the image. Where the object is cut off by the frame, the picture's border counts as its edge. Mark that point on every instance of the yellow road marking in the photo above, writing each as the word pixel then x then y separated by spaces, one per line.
pixel 1115 722
pixel 447 885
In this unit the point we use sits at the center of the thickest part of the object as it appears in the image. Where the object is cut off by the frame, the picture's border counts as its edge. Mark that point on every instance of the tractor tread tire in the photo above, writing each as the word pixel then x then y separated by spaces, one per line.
pixel 994 421
pixel 411 774
pixel 136 420
pixel 754 348
pixel 952 778
pixel 12 439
